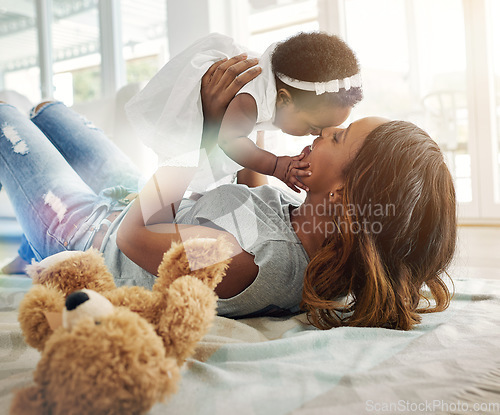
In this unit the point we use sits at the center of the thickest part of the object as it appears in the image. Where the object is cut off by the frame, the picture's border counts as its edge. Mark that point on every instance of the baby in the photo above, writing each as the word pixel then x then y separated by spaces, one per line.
pixel 308 82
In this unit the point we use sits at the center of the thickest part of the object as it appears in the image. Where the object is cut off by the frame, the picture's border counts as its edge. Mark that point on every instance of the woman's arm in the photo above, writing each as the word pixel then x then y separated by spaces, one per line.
pixel 218 86
pixel 145 245
pixel 144 234
pixel 249 177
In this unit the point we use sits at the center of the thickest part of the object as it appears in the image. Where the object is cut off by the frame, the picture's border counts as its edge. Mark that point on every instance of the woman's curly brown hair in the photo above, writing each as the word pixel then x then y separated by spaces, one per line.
pixel 381 271
pixel 317 57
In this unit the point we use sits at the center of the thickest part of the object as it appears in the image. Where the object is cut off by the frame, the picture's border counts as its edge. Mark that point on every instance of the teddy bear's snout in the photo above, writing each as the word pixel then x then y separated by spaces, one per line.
pixel 75 299
pixel 84 304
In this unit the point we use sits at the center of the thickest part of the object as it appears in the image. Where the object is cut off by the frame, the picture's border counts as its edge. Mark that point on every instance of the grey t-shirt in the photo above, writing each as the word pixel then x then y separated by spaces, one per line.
pixel 259 218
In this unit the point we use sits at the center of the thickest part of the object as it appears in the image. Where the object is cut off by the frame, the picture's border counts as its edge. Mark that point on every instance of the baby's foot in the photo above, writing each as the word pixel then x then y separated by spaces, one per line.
pixel 16 266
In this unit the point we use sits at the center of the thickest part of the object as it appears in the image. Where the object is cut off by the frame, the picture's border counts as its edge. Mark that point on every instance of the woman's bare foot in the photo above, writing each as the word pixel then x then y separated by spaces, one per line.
pixel 16 266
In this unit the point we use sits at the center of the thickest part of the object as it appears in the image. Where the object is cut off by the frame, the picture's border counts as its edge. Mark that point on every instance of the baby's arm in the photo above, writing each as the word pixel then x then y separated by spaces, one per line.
pixel 238 122
pixel 249 177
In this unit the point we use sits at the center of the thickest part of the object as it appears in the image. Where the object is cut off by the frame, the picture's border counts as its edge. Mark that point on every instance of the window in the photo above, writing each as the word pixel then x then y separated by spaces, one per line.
pixel 407 75
pixel 433 62
pixel 76 51
pixel 19 57
pixel 271 21
pixel 76 54
pixel 495 28
pixel 144 38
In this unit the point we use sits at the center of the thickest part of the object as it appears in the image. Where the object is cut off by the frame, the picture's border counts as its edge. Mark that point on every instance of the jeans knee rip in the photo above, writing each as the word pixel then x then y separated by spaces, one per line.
pixel 56 205
pixel 18 144
pixel 88 123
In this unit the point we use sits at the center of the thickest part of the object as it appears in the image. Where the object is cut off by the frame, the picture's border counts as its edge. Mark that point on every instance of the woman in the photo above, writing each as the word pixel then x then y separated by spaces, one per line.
pixel 377 224
pixel 392 201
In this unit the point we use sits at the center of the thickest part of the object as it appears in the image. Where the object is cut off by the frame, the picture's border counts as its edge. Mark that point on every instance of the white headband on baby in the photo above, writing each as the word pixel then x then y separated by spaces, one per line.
pixel 334 85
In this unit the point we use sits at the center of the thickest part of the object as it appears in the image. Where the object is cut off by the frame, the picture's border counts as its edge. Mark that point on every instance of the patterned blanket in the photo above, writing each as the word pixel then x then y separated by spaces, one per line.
pixel 450 363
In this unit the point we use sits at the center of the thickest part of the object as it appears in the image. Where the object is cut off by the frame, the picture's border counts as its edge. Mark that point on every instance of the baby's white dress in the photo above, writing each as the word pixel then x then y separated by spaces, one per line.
pixel 167 114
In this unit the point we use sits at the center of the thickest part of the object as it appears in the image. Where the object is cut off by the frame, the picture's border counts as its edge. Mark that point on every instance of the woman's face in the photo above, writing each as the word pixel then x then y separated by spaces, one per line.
pixel 332 152
pixel 295 121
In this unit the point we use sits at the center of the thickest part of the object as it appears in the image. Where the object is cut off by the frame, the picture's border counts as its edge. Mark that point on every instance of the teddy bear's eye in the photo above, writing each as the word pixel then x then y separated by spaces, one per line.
pixel 97 322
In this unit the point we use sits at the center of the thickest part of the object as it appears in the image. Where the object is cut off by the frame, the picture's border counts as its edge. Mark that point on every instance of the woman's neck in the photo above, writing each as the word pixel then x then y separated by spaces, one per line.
pixel 312 222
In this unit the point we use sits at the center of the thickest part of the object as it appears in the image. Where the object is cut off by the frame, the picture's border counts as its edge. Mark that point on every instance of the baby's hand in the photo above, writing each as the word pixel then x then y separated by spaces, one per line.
pixel 289 169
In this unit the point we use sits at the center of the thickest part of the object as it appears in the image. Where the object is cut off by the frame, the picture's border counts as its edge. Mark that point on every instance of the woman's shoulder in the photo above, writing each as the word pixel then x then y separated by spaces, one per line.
pixel 229 197
pixel 255 214
pixel 266 194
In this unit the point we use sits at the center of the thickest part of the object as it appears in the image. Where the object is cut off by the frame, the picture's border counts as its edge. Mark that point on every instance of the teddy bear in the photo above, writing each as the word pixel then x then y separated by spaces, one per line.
pixel 115 350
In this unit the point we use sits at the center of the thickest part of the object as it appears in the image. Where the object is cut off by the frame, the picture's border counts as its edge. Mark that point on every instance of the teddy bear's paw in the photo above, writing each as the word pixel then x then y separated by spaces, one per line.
pixel 28 401
pixel 189 314
pixel 32 318
pixel 205 258
pixel 73 270
pixel 139 300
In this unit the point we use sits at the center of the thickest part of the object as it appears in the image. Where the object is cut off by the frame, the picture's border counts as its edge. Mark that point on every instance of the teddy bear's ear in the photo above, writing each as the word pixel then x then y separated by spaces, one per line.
pixel 39 300
pixel 72 271
pixel 37 268
pixel 29 401
pixel 205 258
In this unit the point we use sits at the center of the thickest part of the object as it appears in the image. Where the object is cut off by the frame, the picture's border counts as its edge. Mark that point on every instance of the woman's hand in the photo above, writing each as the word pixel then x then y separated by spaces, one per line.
pixel 221 83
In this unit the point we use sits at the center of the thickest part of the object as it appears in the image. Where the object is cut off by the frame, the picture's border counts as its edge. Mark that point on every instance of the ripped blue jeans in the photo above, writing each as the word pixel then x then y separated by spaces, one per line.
pixel 63 176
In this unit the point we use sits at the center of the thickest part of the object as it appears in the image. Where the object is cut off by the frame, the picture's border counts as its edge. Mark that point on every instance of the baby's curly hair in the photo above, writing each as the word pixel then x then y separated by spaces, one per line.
pixel 317 57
